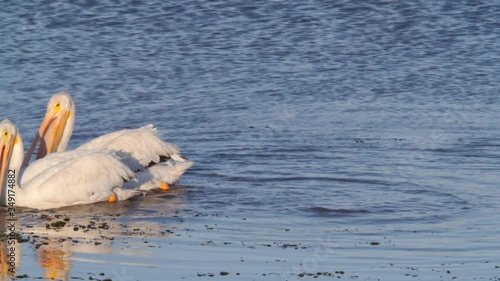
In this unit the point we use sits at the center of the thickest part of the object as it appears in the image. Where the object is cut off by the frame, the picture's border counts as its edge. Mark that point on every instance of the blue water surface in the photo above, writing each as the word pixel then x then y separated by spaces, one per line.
pixel 346 139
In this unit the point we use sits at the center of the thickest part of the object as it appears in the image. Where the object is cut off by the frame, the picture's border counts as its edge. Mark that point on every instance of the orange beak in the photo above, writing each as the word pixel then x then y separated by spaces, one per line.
pixel 50 132
pixel 5 153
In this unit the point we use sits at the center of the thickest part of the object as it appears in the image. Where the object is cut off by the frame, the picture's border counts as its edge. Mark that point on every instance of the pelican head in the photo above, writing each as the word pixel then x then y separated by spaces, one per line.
pixel 9 140
pixel 56 127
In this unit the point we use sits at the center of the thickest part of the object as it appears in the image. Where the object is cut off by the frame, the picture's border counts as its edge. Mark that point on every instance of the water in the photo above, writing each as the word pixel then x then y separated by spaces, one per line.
pixel 358 140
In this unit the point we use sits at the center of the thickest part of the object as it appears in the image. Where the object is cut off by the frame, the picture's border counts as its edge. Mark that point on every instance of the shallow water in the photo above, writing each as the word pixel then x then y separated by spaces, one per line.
pixel 357 140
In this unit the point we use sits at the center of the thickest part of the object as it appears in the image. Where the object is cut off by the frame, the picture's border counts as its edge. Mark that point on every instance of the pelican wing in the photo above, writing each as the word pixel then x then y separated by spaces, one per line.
pixel 143 144
pixel 49 161
pixel 91 177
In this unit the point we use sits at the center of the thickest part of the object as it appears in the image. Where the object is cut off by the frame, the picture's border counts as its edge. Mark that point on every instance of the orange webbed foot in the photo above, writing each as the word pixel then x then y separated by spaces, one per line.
pixel 164 186
pixel 112 198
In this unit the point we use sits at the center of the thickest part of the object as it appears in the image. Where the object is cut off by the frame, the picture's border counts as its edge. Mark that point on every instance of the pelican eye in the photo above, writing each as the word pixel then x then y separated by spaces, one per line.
pixel 57 107
pixel 5 133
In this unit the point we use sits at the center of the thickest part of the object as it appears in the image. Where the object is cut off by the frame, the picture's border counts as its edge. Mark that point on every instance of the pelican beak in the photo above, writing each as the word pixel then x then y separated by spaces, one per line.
pixel 50 132
pixel 5 154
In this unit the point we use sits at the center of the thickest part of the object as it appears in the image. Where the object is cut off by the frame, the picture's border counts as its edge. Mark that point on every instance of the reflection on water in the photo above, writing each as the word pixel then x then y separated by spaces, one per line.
pixel 8 265
pixel 54 257
pixel 9 247
pixel 52 245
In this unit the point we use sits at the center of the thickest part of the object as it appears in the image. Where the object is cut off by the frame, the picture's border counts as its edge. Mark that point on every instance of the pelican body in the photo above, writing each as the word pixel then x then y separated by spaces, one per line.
pixel 141 149
pixel 61 179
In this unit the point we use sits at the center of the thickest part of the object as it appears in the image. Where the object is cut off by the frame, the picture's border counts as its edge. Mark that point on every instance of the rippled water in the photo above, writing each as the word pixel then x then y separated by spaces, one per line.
pixel 358 140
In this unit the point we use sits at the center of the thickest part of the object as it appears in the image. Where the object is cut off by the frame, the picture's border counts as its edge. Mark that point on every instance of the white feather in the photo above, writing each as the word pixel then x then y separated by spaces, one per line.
pixel 152 177
pixel 143 144
pixel 139 148
pixel 91 177
pixel 63 179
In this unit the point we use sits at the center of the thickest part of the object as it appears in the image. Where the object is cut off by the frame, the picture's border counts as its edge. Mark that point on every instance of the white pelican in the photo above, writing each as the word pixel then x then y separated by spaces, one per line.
pixel 142 146
pixel 75 177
